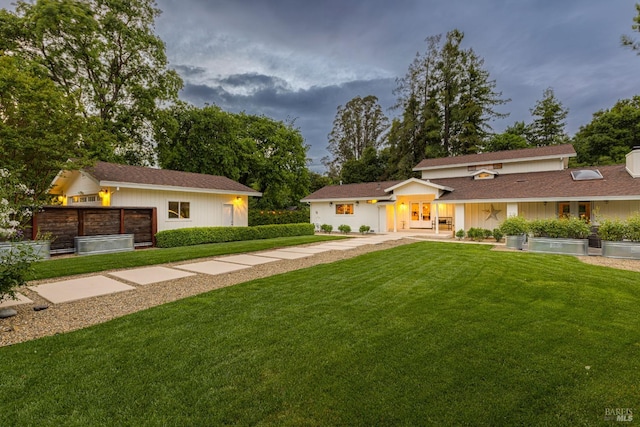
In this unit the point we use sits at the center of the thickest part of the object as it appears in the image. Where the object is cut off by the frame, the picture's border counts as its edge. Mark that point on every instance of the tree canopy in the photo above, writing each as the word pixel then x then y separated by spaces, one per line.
pixel 262 153
pixel 105 53
pixel 548 125
pixel 39 125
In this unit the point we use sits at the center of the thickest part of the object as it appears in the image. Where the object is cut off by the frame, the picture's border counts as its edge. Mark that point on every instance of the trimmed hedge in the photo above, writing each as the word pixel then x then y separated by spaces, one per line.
pixel 202 235
pixel 264 217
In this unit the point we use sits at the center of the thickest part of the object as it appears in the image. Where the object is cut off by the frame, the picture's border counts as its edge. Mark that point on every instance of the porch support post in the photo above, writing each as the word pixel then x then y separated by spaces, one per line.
pixel 395 217
pixel 437 219
pixel 458 219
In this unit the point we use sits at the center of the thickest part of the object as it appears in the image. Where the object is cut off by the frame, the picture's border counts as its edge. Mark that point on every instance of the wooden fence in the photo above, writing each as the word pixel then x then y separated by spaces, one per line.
pixel 64 223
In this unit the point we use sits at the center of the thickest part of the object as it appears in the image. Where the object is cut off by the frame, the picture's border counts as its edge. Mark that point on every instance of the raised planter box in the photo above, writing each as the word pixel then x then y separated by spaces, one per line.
pixel 626 250
pixel 559 246
pixel 87 245
pixel 41 248
pixel 515 242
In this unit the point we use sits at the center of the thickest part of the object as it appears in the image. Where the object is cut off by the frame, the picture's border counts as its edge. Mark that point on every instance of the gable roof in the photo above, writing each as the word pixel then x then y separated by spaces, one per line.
pixel 551 151
pixel 113 174
pixel 364 190
pixel 544 186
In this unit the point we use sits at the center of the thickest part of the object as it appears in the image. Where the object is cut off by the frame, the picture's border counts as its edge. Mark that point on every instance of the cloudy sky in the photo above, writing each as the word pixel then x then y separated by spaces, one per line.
pixel 292 59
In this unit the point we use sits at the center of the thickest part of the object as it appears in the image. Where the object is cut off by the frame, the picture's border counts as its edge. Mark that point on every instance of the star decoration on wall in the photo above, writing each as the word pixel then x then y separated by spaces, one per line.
pixel 493 213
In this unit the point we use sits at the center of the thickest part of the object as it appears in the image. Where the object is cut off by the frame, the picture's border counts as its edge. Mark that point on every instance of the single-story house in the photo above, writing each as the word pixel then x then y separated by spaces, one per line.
pixel 481 190
pixel 182 199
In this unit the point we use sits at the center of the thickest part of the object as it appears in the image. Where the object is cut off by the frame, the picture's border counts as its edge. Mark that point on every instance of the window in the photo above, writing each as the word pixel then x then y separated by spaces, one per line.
pixel 179 210
pixel 344 209
pixel 91 198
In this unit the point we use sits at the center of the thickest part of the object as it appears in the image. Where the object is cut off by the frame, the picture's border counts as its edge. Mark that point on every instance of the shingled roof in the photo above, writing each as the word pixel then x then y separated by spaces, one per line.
pixel 563 150
pixel 542 186
pixel 365 190
pixel 111 174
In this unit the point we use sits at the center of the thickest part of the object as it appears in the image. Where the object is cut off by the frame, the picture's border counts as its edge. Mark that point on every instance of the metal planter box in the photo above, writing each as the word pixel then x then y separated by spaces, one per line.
pixel 559 246
pixel 626 250
pixel 41 248
pixel 515 242
pixel 86 245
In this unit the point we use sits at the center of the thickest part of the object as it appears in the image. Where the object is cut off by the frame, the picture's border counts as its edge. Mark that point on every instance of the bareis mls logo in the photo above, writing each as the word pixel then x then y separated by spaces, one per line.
pixel 618 414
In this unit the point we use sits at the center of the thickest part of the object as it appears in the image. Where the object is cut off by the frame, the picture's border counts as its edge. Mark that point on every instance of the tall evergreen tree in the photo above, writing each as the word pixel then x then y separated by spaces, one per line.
pixel 448 101
pixel 628 41
pixel 548 124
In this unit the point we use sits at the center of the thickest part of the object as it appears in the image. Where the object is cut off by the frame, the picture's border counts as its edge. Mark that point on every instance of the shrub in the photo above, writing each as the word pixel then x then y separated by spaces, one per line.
pixel 564 228
pixel 327 228
pixel 633 228
pixel 487 233
pixel 265 217
pixel 612 230
pixel 498 234
pixel 202 235
pixel 364 229
pixel 476 234
pixel 514 226
pixel 460 234
pixel 344 228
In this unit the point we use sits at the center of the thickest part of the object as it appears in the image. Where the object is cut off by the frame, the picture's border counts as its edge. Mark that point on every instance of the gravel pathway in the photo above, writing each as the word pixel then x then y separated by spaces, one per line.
pixel 65 317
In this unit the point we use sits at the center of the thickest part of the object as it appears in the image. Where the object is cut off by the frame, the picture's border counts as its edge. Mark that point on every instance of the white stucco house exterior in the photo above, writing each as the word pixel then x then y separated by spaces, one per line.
pixel 182 199
pixel 481 190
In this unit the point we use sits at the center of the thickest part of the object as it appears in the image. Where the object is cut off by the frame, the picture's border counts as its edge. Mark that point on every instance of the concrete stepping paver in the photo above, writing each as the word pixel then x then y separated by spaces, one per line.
pixel 284 254
pixel 147 275
pixel 247 259
pixel 75 289
pixel 333 246
pixel 12 302
pixel 212 267
pixel 305 250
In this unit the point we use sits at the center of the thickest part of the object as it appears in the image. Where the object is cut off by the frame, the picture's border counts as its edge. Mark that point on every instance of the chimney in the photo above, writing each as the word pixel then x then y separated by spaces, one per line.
pixel 633 162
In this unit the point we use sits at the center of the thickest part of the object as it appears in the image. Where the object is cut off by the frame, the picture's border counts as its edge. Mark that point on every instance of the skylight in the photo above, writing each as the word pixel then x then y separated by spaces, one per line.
pixel 586 175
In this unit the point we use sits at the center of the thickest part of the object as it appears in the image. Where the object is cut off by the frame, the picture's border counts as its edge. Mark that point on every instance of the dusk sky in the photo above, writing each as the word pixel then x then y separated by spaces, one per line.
pixel 300 60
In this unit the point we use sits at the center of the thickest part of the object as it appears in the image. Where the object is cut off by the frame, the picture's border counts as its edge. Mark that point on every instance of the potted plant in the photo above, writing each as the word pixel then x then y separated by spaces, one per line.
pixel 515 228
pixel 567 236
pixel 621 239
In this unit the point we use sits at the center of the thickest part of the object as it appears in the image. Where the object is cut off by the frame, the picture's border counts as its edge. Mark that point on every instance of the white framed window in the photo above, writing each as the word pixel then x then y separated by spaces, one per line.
pixel 344 209
pixel 179 210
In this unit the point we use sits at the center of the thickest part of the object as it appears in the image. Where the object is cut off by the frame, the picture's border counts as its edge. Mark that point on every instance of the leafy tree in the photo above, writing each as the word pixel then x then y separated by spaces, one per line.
pixel 39 125
pixel 548 124
pixel 513 138
pixel 105 51
pixel 448 101
pixel 203 140
pixel 370 167
pixel 259 152
pixel 278 167
pixel 358 125
pixel 610 135
pixel 627 40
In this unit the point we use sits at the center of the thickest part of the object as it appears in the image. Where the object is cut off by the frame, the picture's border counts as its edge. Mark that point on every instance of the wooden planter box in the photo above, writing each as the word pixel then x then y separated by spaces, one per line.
pixel 86 245
pixel 41 248
pixel 626 250
pixel 515 242
pixel 559 246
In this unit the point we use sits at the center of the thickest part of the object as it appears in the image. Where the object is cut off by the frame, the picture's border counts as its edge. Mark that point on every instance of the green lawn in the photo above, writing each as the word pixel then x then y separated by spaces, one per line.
pixel 423 334
pixel 141 257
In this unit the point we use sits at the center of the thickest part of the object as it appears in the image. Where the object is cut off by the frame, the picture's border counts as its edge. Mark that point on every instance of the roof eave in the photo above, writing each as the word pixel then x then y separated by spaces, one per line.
pixel 176 188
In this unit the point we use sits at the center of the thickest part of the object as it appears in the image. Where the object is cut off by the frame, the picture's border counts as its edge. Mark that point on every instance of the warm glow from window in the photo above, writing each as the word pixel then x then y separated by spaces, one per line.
pixel 344 209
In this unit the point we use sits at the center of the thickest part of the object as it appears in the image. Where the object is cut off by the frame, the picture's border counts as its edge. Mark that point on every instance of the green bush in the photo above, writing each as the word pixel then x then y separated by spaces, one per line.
pixel 514 226
pixel 327 228
pixel 460 234
pixel 202 235
pixel 344 228
pixel 564 228
pixel 476 234
pixel 497 234
pixel 265 217
pixel 612 230
pixel 633 228
pixel 364 229
pixel 487 234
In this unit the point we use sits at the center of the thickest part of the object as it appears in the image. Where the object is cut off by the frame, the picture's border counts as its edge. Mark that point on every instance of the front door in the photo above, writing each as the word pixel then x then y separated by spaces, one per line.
pixel 227 215
pixel 421 215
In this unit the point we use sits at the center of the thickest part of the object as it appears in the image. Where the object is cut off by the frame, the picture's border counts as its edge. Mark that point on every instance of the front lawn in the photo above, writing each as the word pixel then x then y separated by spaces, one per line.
pixel 423 334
